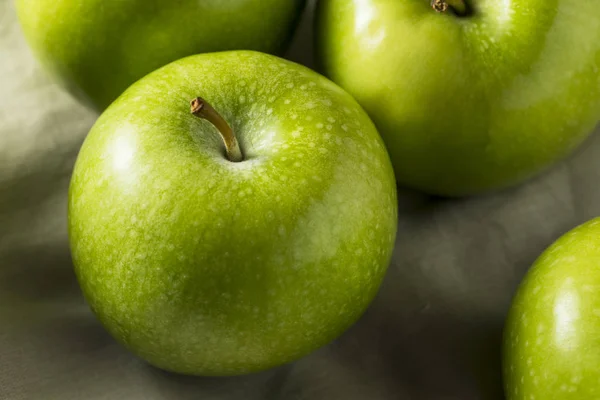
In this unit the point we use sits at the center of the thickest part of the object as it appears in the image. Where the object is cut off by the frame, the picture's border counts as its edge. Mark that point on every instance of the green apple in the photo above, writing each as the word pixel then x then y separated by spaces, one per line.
pixel 218 260
pixel 476 96
pixel 97 48
pixel 552 334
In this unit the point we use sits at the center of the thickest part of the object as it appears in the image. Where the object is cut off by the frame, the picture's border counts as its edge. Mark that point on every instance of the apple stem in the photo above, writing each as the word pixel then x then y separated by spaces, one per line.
pixel 460 7
pixel 202 109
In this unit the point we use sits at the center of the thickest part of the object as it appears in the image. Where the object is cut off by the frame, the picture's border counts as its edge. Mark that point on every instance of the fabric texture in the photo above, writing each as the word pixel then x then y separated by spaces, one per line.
pixel 433 332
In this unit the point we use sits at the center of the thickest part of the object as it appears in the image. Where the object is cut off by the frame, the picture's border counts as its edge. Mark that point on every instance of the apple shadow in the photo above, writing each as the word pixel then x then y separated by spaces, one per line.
pixel 264 385
pixel 69 334
pixel 423 349
pixel 39 274
pixel 301 48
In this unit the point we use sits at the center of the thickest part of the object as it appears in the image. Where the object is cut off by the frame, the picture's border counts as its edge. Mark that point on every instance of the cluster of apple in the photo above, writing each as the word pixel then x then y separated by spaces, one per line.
pixel 256 226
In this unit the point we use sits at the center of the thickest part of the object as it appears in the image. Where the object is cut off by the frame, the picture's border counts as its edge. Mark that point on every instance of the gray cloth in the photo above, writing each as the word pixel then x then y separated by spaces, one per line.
pixel 434 331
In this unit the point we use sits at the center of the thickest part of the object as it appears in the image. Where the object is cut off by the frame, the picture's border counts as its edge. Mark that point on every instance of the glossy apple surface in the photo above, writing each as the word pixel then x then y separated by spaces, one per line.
pixel 468 104
pixel 205 266
pixel 99 47
pixel 552 336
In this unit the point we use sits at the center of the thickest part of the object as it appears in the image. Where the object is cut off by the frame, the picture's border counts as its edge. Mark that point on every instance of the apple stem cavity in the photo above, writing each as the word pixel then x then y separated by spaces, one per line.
pixel 459 7
pixel 202 109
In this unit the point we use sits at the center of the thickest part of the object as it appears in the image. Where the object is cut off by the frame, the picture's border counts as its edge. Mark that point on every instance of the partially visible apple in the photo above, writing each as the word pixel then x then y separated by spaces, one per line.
pixel 477 96
pixel 552 336
pixel 217 261
pixel 100 47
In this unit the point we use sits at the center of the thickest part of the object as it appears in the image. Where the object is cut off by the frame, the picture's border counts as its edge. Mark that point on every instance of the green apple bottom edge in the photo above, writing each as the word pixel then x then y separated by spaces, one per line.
pixel 255 225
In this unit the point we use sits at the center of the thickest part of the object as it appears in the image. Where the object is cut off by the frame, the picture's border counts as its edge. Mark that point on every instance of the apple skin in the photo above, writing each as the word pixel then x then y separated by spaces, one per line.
pixel 209 267
pixel 97 48
pixel 469 104
pixel 552 334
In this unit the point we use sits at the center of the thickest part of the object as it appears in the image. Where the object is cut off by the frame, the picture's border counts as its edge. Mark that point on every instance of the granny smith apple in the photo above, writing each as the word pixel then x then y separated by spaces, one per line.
pixel 239 234
pixel 97 48
pixel 469 95
pixel 552 336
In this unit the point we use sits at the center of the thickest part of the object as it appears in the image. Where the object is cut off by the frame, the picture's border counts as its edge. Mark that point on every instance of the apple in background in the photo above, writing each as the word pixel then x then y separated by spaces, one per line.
pixel 468 95
pixel 552 336
pixel 212 260
pixel 98 47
